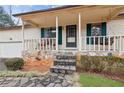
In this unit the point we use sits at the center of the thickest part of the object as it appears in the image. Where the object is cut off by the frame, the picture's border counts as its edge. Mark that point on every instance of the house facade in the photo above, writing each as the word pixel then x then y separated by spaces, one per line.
pixel 87 28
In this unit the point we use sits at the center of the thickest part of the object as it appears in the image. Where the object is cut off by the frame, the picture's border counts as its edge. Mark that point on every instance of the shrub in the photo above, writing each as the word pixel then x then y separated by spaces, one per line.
pixel 109 64
pixel 14 63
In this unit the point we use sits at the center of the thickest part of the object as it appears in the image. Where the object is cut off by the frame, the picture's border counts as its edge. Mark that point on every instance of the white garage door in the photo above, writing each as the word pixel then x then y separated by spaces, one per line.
pixel 10 49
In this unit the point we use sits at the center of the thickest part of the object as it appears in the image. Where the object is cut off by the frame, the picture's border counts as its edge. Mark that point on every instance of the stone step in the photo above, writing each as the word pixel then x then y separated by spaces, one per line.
pixel 65 63
pixel 63 69
pixel 65 60
pixel 65 57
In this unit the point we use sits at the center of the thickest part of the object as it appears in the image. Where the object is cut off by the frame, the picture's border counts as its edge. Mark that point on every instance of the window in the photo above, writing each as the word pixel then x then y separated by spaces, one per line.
pixel 50 32
pixel 96 29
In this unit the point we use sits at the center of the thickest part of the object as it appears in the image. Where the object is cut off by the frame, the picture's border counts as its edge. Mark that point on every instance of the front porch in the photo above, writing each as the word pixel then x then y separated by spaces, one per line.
pixel 68 30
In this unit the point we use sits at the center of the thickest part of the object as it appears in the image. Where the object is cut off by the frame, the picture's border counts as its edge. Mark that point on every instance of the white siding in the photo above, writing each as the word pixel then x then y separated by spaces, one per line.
pixel 8 50
pixel 16 35
pixel 13 48
pixel 115 27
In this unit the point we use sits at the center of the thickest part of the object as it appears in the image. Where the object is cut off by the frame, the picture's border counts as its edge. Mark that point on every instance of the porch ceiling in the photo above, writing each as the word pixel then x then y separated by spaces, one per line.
pixel 89 14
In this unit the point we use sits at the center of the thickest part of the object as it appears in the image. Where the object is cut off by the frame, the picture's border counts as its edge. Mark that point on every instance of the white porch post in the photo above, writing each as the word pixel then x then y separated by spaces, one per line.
pixel 79 38
pixel 23 46
pixel 57 25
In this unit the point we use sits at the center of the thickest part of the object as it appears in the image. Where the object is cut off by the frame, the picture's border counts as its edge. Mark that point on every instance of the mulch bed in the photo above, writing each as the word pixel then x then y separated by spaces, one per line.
pixel 37 65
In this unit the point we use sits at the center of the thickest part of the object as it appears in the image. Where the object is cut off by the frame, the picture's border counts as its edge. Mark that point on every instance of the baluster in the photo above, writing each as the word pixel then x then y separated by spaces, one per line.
pixel 24 44
pixel 85 43
pixel 120 43
pixel 49 43
pixel 30 44
pixel 117 43
pixel 37 42
pixel 27 44
pixel 104 43
pixel 108 43
pixel 46 43
pixel 114 43
pixel 88 43
pixel 43 43
pixel 94 43
pixel 33 45
pixel 98 43
pixel 54 44
pixel 40 44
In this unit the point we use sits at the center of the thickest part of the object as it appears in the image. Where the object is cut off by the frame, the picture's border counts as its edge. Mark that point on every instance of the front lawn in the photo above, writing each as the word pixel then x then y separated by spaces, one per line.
pixel 93 80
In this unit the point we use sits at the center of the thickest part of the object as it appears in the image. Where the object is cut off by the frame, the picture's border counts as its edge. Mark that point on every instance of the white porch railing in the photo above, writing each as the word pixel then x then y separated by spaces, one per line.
pixel 88 43
pixel 44 44
pixel 103 43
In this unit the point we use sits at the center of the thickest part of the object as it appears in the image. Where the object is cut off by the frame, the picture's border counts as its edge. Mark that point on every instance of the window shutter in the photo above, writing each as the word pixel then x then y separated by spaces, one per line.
pixel 103 33
pixel 42 32
pixel 60 35
pixel 103 29
pixel 88 32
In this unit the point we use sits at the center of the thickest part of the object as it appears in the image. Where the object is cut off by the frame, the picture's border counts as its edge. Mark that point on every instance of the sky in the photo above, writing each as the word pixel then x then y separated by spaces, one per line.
pixel 25 8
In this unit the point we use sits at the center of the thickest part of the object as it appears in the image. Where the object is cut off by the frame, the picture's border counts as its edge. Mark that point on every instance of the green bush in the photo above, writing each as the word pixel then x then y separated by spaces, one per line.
pixel 14 63
pixel 109 64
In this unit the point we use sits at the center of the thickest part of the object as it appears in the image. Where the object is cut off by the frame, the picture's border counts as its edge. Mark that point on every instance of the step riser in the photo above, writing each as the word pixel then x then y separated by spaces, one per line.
pixel 65 57
pixel 61 71
pixel 65 60
pixel 65 63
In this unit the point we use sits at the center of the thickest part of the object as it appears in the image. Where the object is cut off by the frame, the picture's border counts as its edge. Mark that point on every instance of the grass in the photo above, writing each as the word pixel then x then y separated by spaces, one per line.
pixel 92 80
pixel 20 74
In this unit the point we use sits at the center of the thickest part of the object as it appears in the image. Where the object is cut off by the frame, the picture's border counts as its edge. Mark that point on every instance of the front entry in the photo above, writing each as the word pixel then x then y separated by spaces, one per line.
pixel 71 36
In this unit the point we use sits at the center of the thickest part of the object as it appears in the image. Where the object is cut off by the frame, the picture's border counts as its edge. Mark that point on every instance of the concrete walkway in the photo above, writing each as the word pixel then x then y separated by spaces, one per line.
pixel 49 80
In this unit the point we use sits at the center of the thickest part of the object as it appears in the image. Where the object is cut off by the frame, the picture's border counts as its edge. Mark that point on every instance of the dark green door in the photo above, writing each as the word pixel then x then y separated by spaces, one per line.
pixel 71 36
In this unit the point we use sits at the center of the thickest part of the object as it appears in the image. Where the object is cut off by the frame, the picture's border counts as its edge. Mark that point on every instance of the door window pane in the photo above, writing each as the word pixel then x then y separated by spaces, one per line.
pixel 71 31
